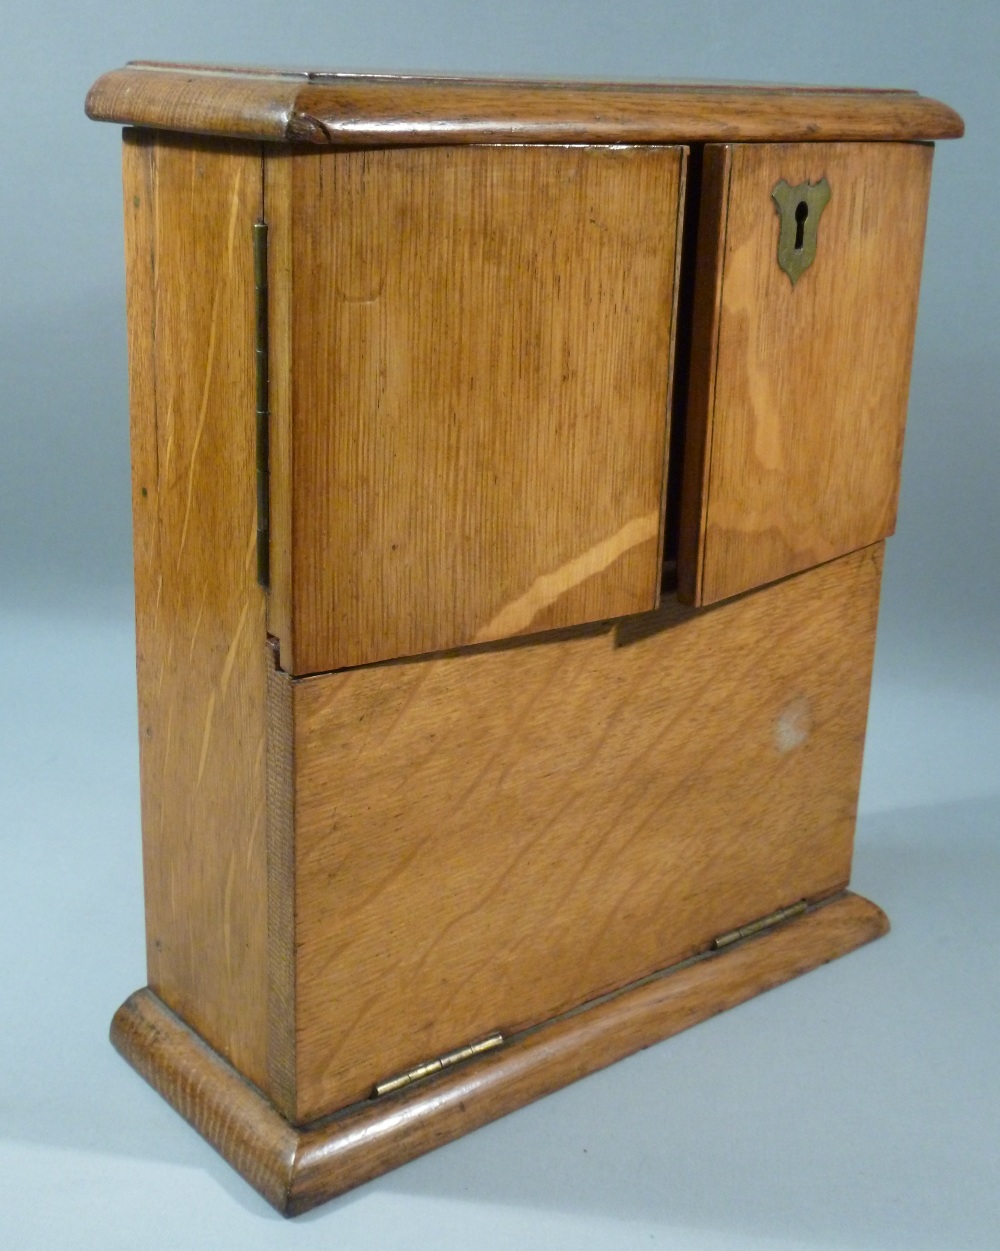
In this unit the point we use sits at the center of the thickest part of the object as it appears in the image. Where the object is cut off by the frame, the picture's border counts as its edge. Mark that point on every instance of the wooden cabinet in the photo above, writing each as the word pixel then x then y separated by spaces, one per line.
pixel 508 539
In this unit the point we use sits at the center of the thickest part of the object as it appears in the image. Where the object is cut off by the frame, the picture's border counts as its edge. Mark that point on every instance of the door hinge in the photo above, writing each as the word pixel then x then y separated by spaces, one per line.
pixel 435 1066
pixel 263 402
pixel 758 926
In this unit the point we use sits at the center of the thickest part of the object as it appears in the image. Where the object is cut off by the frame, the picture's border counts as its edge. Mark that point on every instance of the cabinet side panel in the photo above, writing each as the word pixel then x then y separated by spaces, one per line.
pixel 189 206
pixel 481 362
pixel 488 838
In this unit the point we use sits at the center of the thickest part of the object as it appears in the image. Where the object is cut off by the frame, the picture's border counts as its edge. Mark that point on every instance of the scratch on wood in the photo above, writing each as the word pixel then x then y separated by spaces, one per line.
pixel 168 452
pixel 206 736
pixel 545 590
pixel 257 826
pixel 197 622
pixel 250 555
pixel 230 661
pixel 156 601
pixel 152 195
pixel 221 286
pixel 227 915
pixel 165 759
pixel 165 667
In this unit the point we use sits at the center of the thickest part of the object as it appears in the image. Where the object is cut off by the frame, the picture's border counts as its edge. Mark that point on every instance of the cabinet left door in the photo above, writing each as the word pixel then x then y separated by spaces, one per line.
pixel 470 374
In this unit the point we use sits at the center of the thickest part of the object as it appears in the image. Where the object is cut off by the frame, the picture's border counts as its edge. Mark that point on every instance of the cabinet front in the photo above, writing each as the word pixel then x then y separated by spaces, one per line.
pixel 471 359
pixel 805 306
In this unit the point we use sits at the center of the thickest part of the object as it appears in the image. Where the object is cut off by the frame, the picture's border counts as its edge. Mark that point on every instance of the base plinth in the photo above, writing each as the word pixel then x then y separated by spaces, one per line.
pixel 297 1168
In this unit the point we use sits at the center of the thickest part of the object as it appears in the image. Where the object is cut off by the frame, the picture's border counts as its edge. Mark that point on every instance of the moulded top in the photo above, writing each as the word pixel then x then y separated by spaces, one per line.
pixel 360 110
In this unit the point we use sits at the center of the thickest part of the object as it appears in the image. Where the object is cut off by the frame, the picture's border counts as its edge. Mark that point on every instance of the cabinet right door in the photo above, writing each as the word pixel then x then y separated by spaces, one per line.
pixel 806 286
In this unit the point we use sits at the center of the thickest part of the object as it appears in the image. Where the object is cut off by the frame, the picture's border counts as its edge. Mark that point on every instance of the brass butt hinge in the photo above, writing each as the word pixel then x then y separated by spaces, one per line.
pixel 263 402
pixel 435 1066
pixel 761 924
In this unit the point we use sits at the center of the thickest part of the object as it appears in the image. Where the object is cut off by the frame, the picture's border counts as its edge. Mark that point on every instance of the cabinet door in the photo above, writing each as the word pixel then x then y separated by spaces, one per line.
pixel 798 389
pixel 470 372
pixel 484 841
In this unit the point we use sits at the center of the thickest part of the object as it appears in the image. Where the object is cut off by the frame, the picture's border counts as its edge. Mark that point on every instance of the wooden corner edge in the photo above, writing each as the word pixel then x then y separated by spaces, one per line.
pixel 197 102
pixel 297 1169
pixel 948 123
pixel 211 1096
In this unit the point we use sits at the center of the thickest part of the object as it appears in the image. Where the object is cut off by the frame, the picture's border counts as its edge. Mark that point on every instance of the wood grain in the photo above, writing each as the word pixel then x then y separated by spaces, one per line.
pixel 480 354
pixel 296 1170
pixel 796 426
pixel 280 918
pixel 362 110
pixel 199 612
pixel 487 838
pixel 278 191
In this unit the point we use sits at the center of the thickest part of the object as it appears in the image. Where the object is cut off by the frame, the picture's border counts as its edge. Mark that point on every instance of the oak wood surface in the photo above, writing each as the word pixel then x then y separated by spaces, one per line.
pixel 362 110
pixel 487 838
pixel 199 611
pixel 474 436
pixel 296 1170
pixel 795 427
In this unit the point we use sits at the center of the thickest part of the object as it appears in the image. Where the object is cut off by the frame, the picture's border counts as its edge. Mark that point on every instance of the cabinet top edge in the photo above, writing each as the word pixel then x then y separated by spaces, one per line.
pixel 329 108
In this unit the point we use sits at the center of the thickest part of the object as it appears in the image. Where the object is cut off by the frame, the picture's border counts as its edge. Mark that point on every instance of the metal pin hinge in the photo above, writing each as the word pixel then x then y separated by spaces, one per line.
pixel 758 926
pixel 435 1066
pixel 263 402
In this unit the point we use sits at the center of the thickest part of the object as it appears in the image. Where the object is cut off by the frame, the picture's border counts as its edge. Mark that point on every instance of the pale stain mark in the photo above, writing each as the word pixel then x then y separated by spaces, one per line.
pixel 793 726
pixel 546 589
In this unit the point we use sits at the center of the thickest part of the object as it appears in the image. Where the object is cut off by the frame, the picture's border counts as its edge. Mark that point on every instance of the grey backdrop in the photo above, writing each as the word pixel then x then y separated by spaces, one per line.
pixel 858 1107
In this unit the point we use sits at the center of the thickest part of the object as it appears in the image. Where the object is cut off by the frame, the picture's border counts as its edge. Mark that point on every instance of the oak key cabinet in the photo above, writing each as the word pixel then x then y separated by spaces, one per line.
pixel 512 465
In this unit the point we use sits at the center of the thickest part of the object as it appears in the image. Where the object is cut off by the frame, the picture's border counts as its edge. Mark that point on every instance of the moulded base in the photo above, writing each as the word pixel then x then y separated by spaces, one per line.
pixel 297 1168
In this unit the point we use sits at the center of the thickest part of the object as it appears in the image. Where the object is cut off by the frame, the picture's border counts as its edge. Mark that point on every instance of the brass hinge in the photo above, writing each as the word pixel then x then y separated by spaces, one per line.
pixel 435 1066
pixel 263 403
pixel 758 926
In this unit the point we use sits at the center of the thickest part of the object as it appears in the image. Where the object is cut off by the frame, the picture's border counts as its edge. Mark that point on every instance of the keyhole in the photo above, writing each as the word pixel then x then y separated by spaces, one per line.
pixel 801 213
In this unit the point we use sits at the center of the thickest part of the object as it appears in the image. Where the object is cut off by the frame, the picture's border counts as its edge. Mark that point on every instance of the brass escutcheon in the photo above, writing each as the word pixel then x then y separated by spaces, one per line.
pixel 799 209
